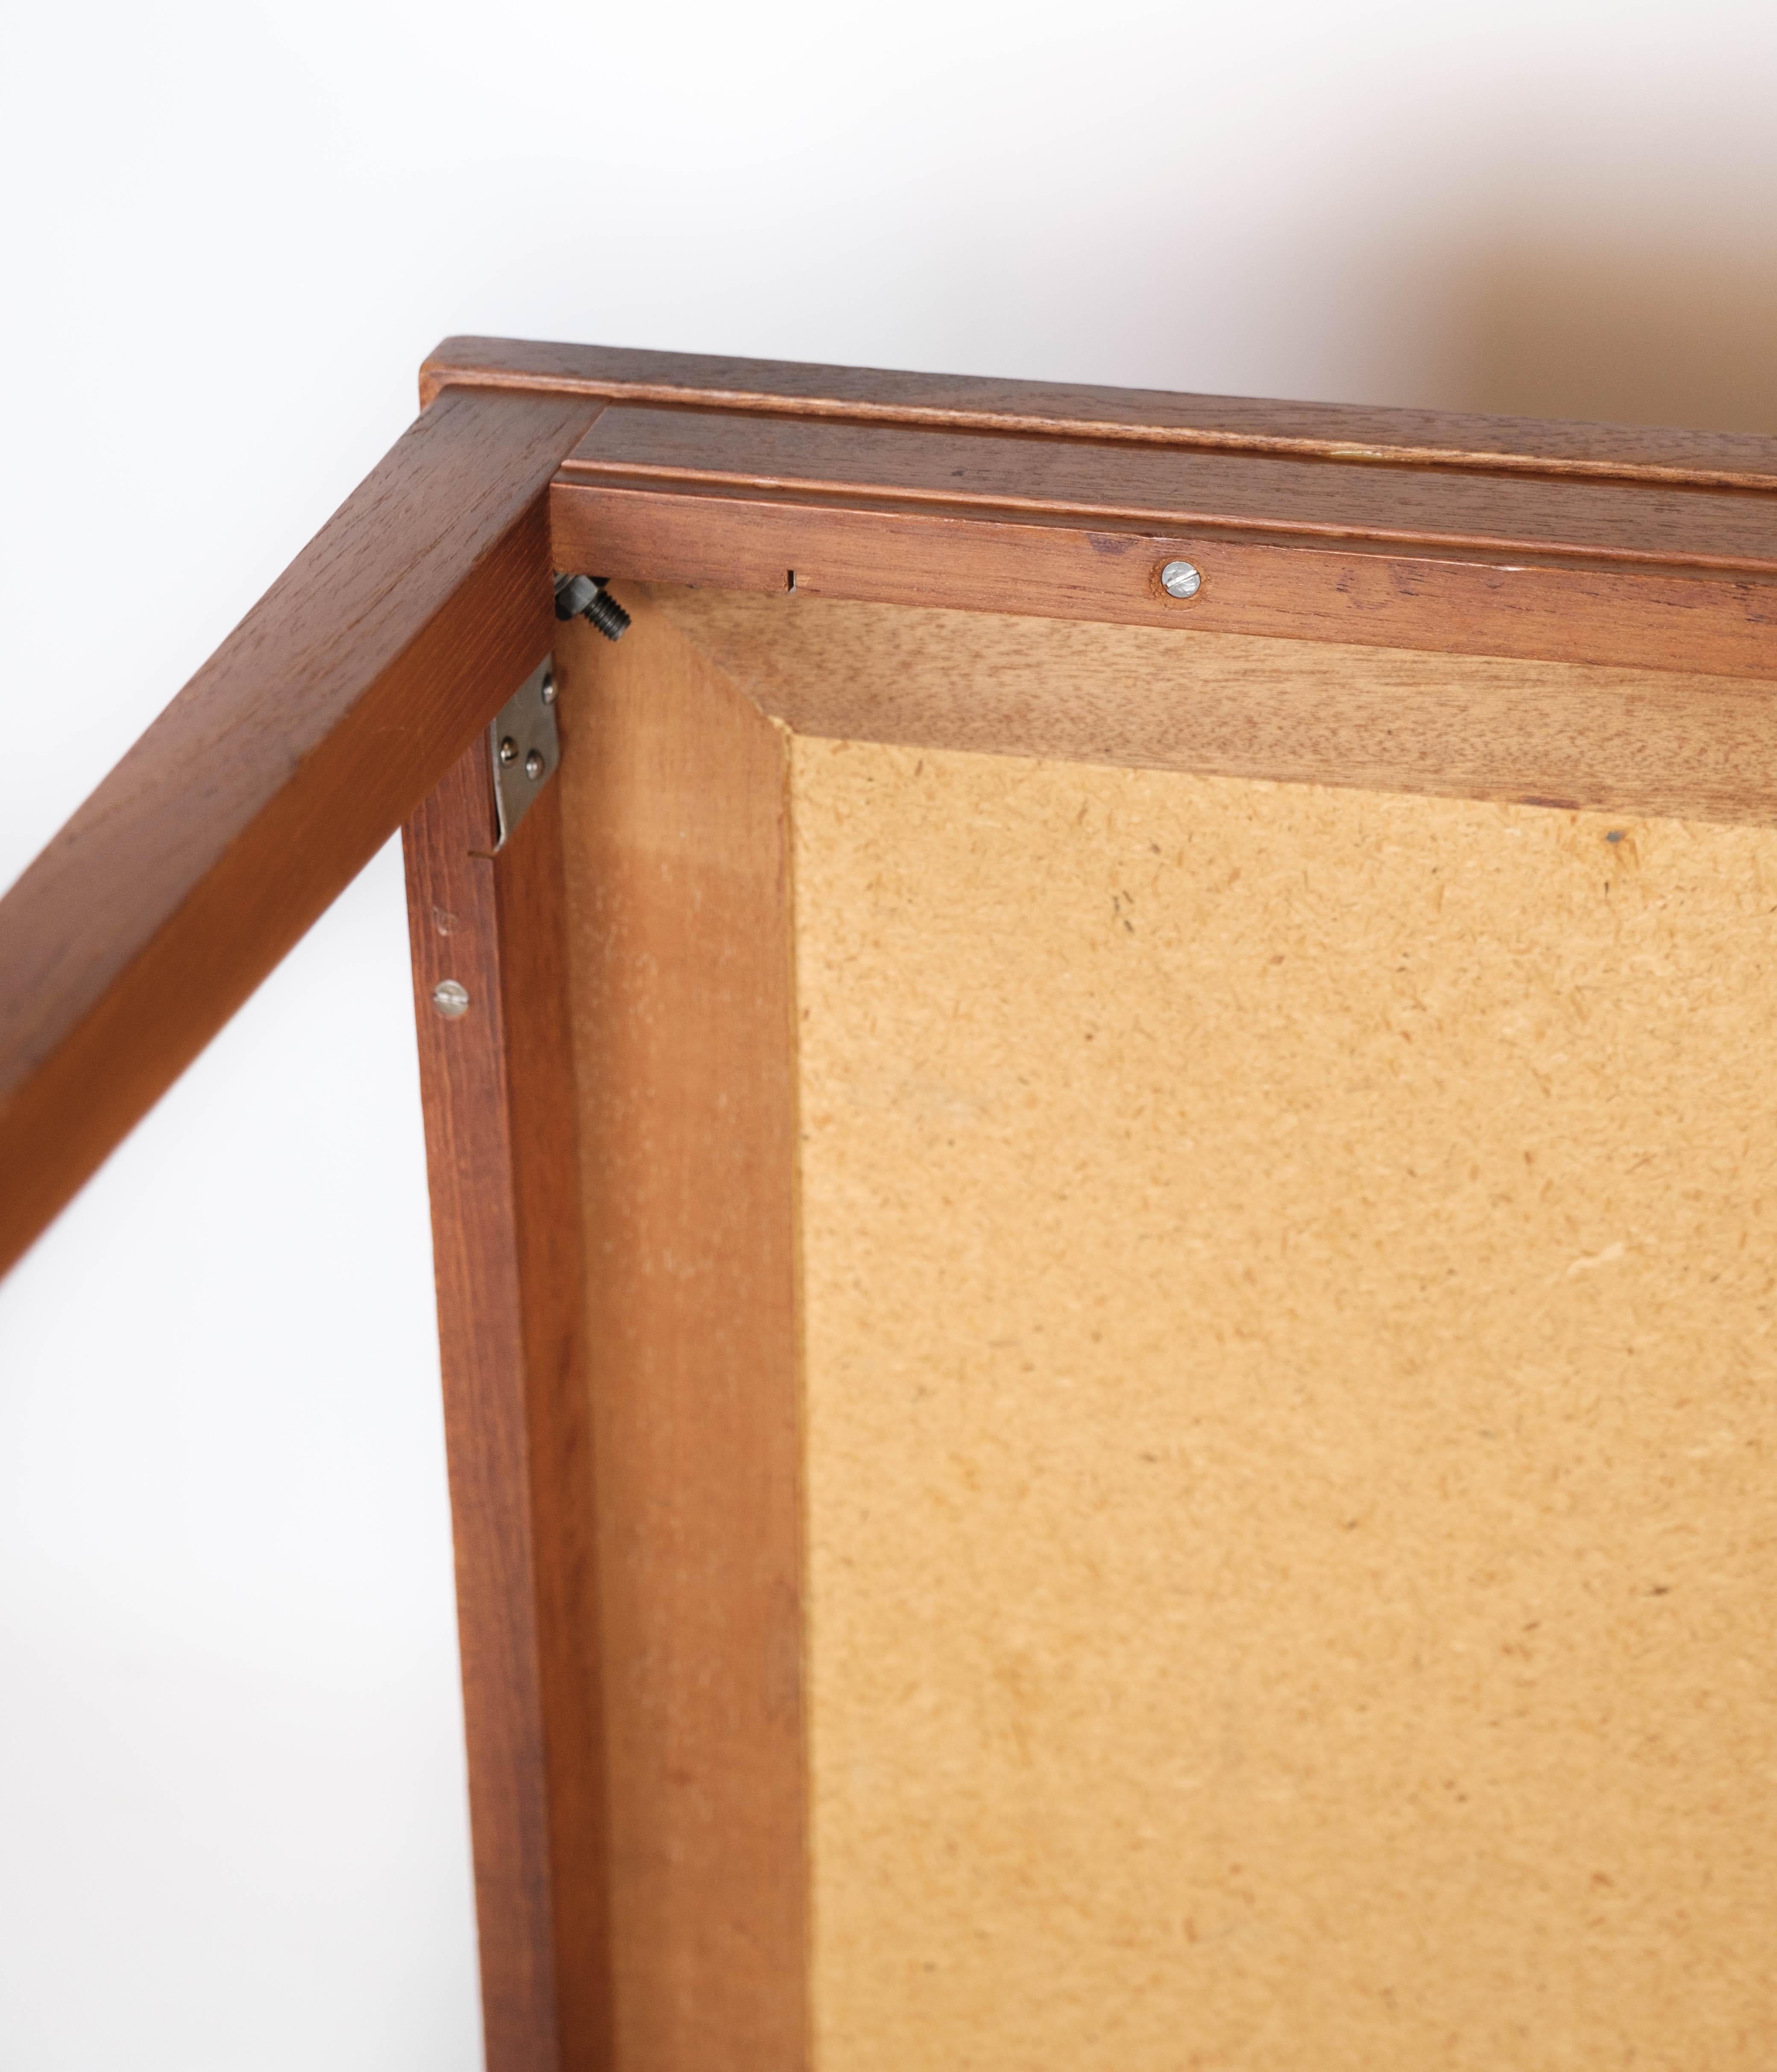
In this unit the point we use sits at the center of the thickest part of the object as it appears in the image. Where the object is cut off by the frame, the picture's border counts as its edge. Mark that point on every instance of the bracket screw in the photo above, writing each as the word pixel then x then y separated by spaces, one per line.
pixel 508 749
pixel 533 764
pixel 451 999
pixel 1180 579
pixel 548 687
pixel 586 597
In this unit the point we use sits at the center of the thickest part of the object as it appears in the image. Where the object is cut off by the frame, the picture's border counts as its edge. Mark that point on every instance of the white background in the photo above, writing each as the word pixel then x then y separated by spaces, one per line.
pixel 232 1821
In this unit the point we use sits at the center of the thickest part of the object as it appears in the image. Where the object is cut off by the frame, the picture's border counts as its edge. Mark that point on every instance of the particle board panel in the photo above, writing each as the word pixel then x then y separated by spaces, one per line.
pixel 1291 1397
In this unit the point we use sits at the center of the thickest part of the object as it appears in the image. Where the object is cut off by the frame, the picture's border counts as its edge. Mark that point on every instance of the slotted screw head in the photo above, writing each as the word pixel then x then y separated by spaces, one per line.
pixel 451 999
pixel 1180 579
pixel 533 764
pixel 508 749
pixel 548 687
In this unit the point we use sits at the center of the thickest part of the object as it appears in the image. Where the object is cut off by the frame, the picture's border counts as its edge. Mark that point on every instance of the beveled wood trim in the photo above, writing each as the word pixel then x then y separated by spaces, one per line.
pixel 497 1085
pixel 1354 433
pixel 1501 517
pixel 1352 592
pixel 1630 743
pixel 268 782
pixel 674 794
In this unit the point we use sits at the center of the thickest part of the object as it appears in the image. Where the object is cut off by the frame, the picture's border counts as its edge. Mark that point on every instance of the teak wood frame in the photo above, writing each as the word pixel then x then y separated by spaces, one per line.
pixel 354 697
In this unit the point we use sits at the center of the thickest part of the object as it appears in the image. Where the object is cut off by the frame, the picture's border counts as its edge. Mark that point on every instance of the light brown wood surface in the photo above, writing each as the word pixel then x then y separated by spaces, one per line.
pixel 674 802
pixel 499 1095
pixel 1630 741
pixel 1291 1385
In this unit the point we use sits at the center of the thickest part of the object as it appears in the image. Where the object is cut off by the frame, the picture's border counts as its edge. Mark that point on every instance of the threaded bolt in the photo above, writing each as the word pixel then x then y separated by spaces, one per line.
pixel 608 615
pixel 586 597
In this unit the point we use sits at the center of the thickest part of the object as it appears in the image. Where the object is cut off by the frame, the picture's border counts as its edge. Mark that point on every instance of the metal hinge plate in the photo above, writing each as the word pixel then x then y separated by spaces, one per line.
pixel 525 747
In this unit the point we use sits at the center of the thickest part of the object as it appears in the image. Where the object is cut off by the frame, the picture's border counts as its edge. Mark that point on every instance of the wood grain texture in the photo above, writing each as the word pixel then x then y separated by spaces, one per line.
pixel 674 804
pixel 1353 433
pixel 1183 491
pixel 1383 719
pixel 1353 592
pixel 298 748
pixel 498 1093
pixel 1291 1383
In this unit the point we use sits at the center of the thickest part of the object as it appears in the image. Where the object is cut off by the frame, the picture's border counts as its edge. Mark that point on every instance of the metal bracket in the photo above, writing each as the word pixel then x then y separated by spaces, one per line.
pixel 523 747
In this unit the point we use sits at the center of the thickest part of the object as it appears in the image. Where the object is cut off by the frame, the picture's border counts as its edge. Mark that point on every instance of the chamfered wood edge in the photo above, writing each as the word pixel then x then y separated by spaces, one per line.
pixel 1569 735
pixel 1497 517
pixel 497 1088
pixel 675 803
pixel 1352 433
pixel 268 784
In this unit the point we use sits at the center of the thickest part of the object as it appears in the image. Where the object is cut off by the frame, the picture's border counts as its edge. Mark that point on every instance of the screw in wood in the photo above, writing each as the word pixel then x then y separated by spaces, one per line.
pixel 1180 579
pixel 451 999
pixel 586 597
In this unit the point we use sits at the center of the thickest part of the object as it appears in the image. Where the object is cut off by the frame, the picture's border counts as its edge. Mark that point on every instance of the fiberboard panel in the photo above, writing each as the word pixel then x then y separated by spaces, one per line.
pixel 1291 1405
